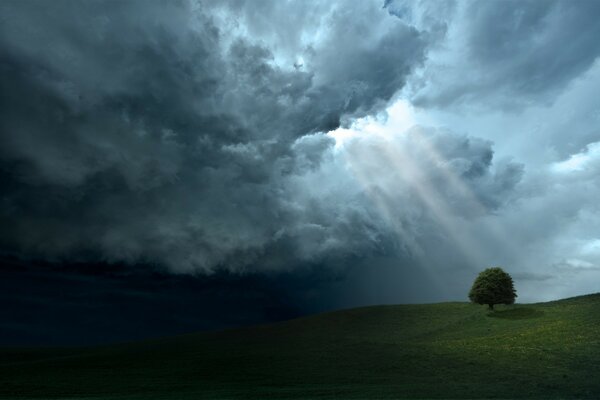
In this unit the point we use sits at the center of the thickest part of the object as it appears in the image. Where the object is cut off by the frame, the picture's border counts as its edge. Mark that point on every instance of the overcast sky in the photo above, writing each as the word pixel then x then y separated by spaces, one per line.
pixel 395 148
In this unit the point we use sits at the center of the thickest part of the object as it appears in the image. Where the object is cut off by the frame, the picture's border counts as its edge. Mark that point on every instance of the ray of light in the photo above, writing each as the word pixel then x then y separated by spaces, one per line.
pixel 386 167
pixel 500 236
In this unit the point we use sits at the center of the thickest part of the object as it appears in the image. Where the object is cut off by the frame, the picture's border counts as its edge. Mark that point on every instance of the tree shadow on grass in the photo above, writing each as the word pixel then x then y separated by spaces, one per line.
pixel 517 313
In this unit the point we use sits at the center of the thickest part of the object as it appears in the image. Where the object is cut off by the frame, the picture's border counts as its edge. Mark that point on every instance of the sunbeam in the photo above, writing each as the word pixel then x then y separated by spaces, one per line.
pixel 395 161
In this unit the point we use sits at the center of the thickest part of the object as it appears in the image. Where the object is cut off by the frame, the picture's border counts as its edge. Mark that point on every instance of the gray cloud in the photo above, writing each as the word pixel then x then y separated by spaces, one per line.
pixel 186 137
pixel 511 53
pixel 528 276
pixel 151 132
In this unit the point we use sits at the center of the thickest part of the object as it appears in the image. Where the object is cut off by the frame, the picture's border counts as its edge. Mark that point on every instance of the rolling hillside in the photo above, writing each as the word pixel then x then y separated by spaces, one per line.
pixel 447 350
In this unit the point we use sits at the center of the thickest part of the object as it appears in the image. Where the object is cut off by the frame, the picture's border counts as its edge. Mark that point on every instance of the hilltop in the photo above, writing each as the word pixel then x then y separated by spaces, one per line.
pixel 445 350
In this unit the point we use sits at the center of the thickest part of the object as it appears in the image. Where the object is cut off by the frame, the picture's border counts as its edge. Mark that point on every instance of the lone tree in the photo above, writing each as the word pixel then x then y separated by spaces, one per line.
pixel 493 286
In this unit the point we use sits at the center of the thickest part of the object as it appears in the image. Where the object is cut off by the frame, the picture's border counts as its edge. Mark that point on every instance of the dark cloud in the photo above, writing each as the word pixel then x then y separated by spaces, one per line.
pixel 184 136
pixel 150 132
pixel 575 266
pixel 528 276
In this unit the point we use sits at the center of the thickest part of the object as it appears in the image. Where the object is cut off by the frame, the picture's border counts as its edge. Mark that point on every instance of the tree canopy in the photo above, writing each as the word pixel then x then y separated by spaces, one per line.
pixel 493 286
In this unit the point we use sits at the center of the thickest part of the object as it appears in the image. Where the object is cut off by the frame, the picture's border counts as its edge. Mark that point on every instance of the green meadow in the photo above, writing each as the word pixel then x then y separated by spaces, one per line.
pixel 447 350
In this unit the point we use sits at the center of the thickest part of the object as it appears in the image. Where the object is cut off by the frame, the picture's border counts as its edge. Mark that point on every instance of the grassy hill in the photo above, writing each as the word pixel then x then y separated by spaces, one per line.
pixel 448 350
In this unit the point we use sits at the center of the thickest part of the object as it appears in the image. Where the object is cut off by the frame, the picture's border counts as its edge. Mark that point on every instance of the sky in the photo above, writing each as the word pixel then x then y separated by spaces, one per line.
pixel 221 163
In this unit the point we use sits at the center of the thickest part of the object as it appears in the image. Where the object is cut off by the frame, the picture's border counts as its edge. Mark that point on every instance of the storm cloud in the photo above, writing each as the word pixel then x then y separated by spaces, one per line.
pixel 152 132
pixel 187 135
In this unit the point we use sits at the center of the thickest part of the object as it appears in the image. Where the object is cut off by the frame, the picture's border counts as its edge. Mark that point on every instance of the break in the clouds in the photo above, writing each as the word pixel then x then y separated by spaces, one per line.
pixel 438 137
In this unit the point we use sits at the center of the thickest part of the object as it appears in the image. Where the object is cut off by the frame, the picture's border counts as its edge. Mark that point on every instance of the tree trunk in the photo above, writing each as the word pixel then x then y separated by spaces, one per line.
pixel 491 307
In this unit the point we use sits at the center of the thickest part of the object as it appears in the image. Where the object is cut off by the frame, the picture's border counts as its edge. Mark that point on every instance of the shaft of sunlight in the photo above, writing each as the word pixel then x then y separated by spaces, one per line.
pixel 390 157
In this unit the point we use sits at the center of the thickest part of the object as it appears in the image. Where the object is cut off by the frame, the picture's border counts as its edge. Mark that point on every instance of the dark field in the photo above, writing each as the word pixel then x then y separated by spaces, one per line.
pixel 448 350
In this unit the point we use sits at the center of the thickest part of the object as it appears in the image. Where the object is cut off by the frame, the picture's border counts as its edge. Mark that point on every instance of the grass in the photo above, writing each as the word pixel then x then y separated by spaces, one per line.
pixel 447 350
